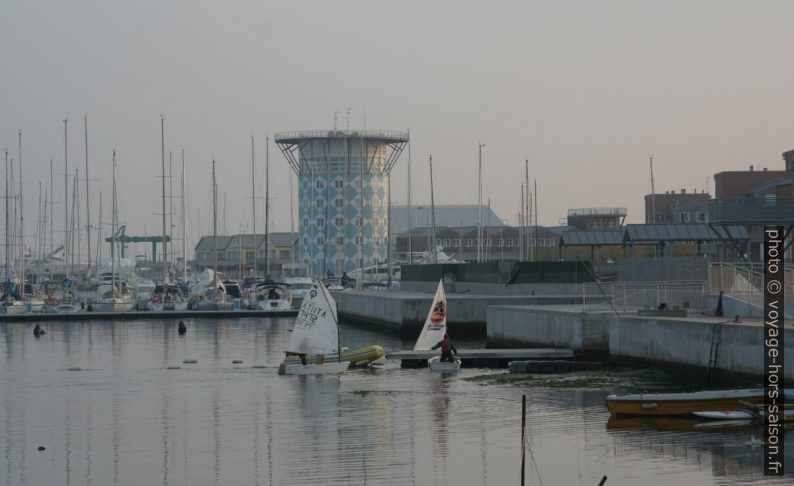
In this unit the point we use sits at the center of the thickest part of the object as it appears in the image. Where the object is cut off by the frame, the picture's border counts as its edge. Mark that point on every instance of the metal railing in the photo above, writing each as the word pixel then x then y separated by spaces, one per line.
pixel 633 296
pixel 377 134
pixel 745 281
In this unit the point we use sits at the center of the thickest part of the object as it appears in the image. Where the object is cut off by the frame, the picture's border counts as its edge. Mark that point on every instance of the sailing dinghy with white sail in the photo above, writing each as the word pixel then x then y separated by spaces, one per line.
pixel 433 332
pixel 316 333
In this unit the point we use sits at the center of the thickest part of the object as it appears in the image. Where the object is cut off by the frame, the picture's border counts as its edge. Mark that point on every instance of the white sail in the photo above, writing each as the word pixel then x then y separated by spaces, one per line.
pixel 436 322
pixel 315 330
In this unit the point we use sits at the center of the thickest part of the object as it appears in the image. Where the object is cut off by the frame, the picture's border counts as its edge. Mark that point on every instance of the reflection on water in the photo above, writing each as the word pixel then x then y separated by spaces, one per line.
pixel 100 397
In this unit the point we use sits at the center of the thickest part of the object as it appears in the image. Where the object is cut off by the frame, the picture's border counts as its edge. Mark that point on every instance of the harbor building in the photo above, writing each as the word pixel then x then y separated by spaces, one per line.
pixel 673 207
pixel 343 194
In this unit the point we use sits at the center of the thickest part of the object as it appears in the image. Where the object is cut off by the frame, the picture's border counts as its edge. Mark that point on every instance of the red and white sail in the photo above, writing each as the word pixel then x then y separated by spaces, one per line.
pixel 436 322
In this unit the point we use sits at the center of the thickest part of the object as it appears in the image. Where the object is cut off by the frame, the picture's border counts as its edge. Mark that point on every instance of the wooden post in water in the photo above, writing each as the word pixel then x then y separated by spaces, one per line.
pixel 523 434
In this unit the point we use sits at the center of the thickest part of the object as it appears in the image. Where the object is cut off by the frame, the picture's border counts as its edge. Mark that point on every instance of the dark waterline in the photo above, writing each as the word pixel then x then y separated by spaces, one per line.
pixel 100 398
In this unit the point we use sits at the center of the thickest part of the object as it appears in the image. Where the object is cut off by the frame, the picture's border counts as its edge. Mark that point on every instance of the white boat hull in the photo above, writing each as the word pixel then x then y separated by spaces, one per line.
pixel 274 305
pixel 63 309
pixel 112 306
pixel 166 306
pixel 443 366
pixel 316 369
pixel 15 308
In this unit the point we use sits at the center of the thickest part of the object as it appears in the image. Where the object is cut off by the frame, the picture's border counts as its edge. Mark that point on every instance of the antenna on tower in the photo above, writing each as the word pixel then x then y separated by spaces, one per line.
pixel 347 119
pixel 336 116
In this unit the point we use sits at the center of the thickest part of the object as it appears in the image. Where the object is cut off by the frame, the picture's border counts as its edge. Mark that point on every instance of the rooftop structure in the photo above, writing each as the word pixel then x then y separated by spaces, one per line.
pixel 343 193
pixel 452 215
pixel 596 219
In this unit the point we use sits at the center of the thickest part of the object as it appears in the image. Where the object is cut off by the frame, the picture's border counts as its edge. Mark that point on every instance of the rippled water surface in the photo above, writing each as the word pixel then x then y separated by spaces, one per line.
pixel 100 398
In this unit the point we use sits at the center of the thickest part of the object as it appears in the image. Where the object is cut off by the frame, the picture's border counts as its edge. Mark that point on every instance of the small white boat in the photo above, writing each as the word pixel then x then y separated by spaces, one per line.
pixel 433 332
pixel 166 298
pixel 112 300
pixel 315 369
pixel 316 333
pixel 270 297
pixel 65 305
pixel 444 366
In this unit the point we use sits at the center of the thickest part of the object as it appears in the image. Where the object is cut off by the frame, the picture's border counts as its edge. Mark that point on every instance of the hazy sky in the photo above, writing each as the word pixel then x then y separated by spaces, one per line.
pixel 585 90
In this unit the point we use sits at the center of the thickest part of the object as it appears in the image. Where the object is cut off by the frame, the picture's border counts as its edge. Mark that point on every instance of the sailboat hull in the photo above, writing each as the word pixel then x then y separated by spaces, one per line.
pixel 444 366
pixel 316 369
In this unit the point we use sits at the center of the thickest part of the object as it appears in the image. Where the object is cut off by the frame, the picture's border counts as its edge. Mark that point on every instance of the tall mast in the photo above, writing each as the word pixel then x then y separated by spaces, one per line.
pixel 527 214
pixel 535 193
pixel 66 196
pixel 291 220
pixel 214 225
pixel 267 205
pixel 99 237
pixel 87 199
pixel 37 237
pixel 21 225
pixel 522 227
pixel 113 229
pixel 8 266
pixel 653 194
pixel 479 203
pixel 75 217
pixel 253 198
pixel 171 257
pixel 162 158
pixel 410 223
pixel 184 222
pixel 388 224
pixel 52 239
pixel 433 213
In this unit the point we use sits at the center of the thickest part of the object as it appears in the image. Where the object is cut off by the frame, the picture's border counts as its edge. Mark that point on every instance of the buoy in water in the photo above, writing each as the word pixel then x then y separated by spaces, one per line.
pixel 41 448
pixel 237 361
pixel 190 361
pixel 38 330
pixel 174 368
pixel 182 328
pixel 258 366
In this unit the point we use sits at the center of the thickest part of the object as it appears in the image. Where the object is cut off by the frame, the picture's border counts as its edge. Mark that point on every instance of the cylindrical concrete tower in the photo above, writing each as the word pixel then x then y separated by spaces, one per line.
pixel 343 195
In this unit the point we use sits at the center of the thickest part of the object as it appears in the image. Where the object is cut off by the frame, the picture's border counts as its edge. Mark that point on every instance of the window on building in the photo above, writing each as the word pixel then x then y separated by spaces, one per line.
pixel 456 242
pixel 358 222
pixel 339 202
pixel 659 218
pixel 305 184
pixel 283 253
pixel 683 217
pixel 305 241
pixel 320 241
pixel 340 240
pixel 339 184
pixel 339 221
pixel 319 184
pixel 701 216
pixel 469 242
pixel 306 222
pixel 320 203
pixel 320 221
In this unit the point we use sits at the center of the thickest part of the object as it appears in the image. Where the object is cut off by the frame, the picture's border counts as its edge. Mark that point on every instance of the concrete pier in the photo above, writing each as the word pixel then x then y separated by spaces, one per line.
pixel 692 341
pixel 110 316
pixel 405 312
pixel 566 326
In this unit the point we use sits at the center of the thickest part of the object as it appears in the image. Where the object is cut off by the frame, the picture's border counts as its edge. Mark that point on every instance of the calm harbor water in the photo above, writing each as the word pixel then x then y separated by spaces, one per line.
pixel 100 398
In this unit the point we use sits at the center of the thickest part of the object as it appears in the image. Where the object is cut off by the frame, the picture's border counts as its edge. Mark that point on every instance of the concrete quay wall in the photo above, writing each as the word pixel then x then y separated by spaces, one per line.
pixel 688 341
pixel 496 289
pixel 558 326
pixel 406 311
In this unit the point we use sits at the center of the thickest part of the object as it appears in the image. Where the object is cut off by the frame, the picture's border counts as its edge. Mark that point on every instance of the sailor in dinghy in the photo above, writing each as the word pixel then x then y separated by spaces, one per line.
pixel 316 333
pixel 434 332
